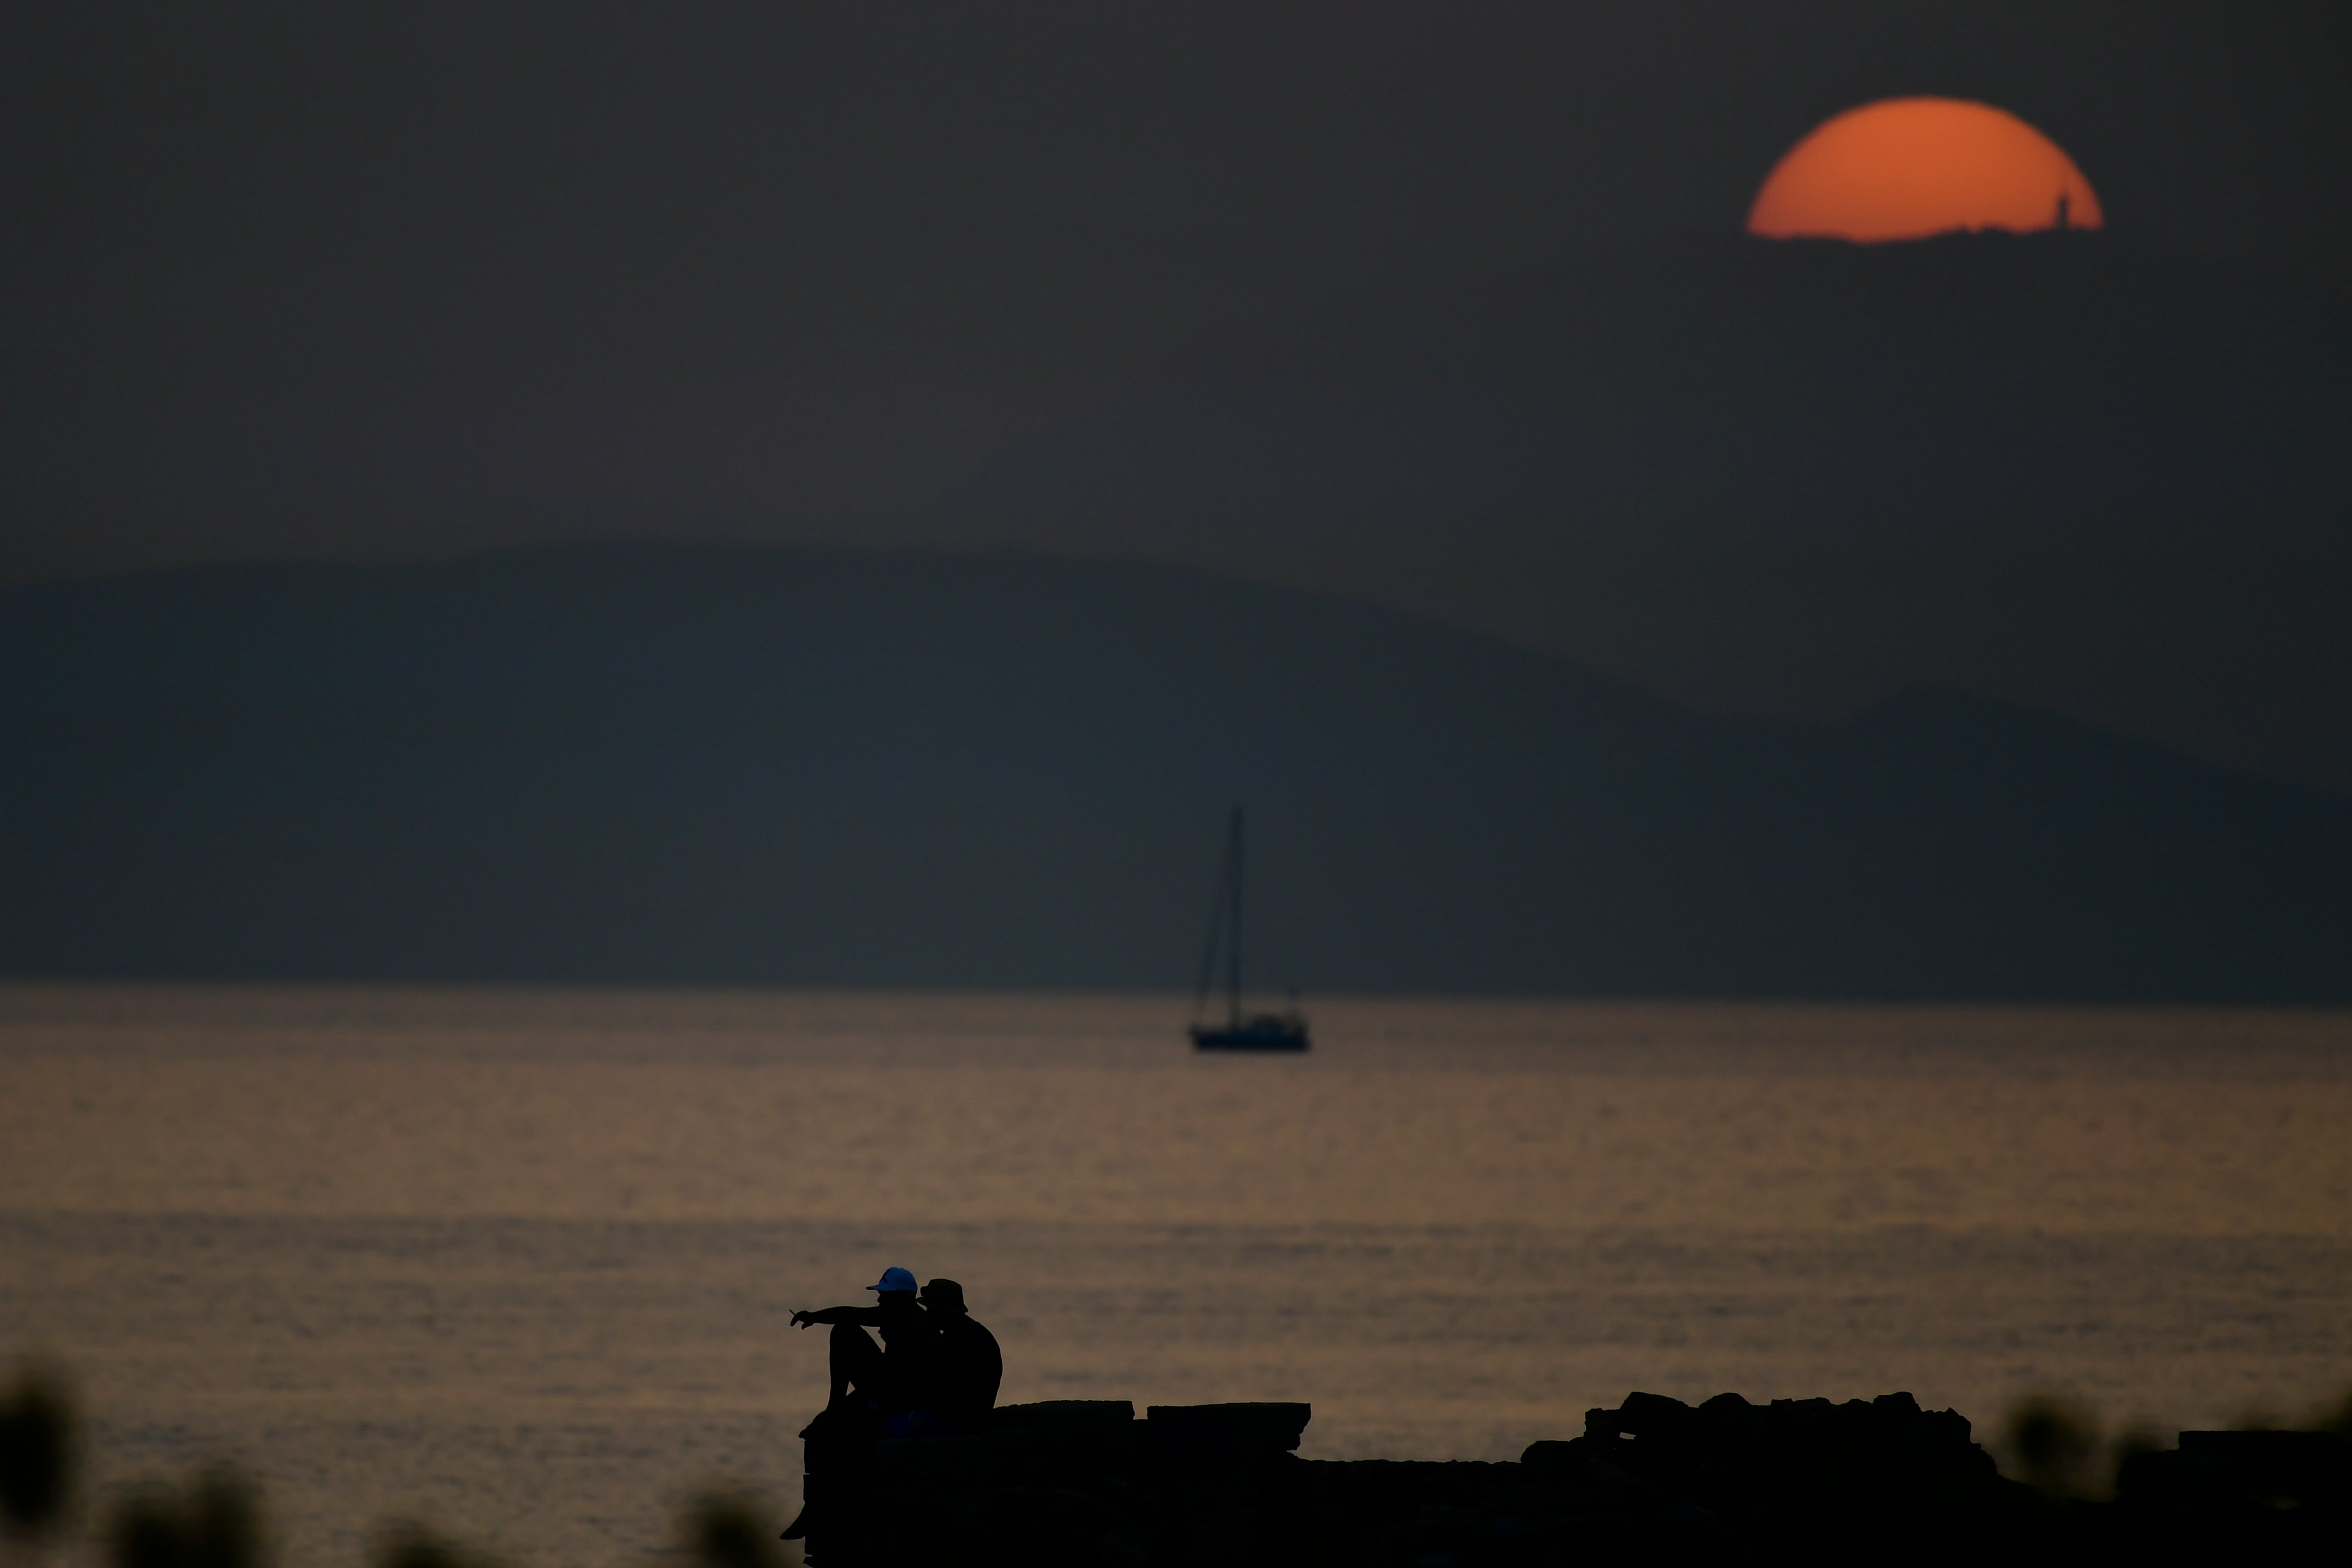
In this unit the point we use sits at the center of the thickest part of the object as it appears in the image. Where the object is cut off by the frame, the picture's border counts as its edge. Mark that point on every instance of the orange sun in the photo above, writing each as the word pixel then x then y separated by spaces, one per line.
pixel 1905 168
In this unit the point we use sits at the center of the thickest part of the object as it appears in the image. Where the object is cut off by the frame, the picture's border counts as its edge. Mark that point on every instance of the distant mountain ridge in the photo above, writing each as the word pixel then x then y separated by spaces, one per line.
pixel 679 766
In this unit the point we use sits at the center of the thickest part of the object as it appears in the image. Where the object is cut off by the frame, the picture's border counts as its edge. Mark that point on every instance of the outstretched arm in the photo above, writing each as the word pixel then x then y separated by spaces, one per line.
pixel 865 1317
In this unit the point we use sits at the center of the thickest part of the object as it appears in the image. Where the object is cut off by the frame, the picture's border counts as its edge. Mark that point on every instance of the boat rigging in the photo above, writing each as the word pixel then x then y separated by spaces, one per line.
pixel 1284 1031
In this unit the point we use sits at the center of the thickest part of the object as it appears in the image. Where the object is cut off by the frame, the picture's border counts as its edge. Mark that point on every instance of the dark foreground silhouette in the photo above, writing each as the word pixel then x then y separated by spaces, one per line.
pixel 1084 1482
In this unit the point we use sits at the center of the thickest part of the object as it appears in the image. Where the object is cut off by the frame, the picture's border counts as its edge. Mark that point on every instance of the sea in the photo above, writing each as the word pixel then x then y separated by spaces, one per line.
pixel 517 1267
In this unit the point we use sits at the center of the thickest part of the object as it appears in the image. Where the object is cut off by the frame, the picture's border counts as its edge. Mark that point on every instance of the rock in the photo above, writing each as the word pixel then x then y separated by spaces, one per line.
pixel 1064 1414
pixel 1224 1433
pixel 1550 1456
pixel 2271 1470
pixel 1071 1484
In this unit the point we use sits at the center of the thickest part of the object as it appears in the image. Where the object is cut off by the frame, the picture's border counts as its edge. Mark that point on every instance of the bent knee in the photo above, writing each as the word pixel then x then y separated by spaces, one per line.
pixel 850 1340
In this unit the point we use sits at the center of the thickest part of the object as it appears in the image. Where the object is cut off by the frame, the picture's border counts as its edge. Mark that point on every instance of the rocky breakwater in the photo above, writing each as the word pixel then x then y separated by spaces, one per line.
pixel 1086 1483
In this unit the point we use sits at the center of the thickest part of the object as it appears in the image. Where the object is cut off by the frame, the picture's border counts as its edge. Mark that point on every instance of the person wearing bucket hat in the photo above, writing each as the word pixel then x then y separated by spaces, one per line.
pixel 884 1391
pixel 971 1365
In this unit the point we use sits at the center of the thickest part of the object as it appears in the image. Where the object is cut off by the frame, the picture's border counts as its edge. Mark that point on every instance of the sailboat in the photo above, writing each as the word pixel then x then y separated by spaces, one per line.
pixel 1263 1031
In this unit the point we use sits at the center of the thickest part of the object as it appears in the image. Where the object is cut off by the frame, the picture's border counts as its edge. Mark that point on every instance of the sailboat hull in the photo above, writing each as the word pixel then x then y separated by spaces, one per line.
pixel 1257 1034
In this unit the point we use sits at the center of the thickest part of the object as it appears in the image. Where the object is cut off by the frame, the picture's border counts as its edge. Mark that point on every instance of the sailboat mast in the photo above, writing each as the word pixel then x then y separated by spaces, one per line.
pixel 1270 1031
pixel 1233 951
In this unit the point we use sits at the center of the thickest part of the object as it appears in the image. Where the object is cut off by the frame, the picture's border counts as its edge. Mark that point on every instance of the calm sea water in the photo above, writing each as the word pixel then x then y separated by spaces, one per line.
pixel 518 1265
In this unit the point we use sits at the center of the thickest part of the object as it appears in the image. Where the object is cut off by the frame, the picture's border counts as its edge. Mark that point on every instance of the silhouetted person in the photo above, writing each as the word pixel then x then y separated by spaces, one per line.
pixel 970 1366
pixel 893 1382
pixel 884 1391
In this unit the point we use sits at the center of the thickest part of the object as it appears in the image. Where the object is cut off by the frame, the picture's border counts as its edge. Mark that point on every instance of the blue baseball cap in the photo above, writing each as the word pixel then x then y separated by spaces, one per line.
pixel 896 1279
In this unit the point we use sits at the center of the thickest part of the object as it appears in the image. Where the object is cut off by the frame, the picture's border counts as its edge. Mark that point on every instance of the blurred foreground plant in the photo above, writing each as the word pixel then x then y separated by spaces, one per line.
pixel 412 1546
pixel 727 1530
pixel 216 1525
pixel 2054 1443
pixel 2335 1417
pixel 37 1453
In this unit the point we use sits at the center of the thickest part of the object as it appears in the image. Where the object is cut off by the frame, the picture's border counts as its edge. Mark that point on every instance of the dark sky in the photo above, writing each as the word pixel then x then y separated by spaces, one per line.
pixel 294 280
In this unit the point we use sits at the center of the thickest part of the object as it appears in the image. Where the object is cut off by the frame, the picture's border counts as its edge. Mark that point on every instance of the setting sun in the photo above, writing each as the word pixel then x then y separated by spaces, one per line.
pixel 1905 168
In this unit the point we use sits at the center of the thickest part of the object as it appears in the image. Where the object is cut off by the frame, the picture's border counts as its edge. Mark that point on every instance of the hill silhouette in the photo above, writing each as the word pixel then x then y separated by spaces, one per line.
pixel 658 765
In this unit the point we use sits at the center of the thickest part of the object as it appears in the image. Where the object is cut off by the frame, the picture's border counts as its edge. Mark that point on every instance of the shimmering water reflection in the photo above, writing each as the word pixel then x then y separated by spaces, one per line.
pixel 519 1263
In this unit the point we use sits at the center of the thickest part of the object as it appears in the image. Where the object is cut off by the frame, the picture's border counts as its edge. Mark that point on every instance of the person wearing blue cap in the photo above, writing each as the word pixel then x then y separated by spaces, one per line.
pixel 892 1381
pixel 884 1391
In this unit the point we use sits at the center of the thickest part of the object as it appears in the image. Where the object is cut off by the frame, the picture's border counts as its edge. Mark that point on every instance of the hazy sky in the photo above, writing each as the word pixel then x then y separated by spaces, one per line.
pixel 325 282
